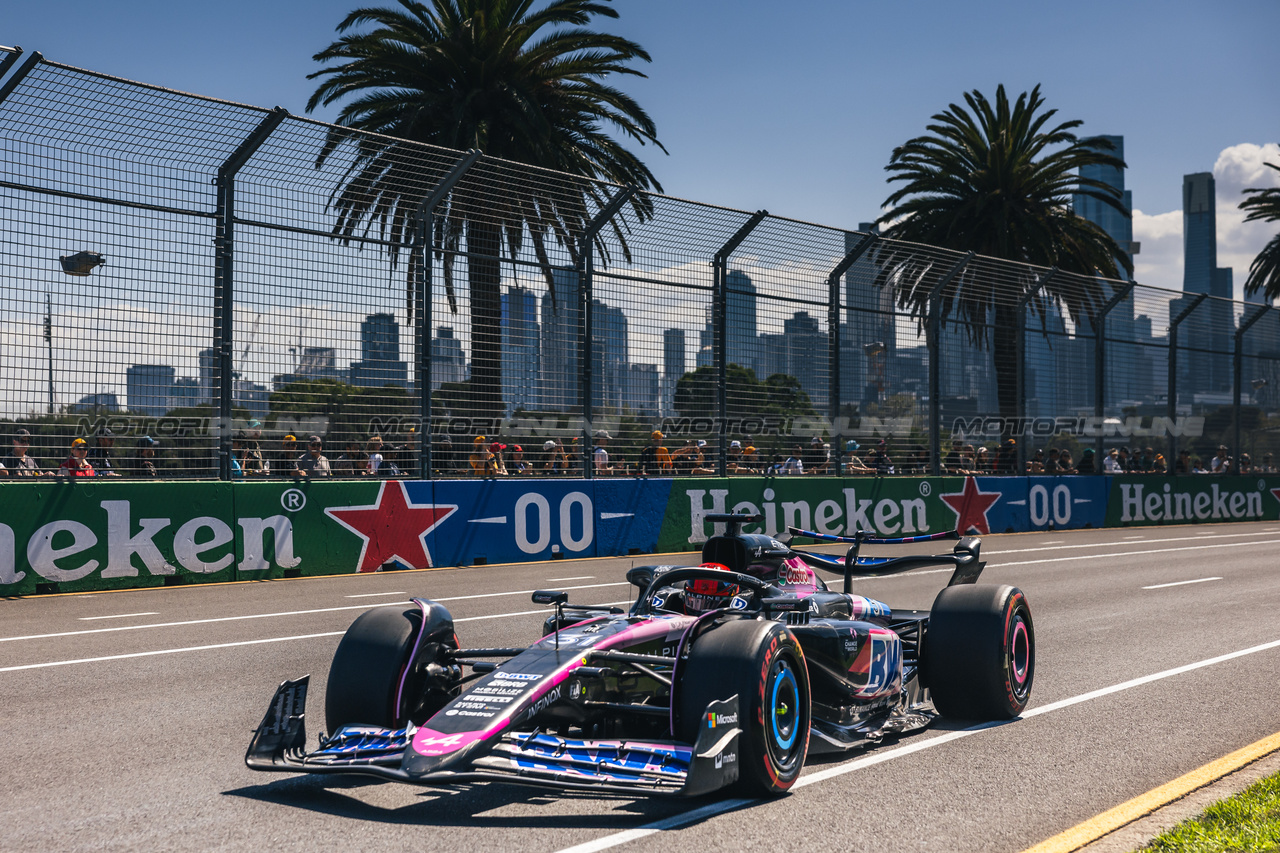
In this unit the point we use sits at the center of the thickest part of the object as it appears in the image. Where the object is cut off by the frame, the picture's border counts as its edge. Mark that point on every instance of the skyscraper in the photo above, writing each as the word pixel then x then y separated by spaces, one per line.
pixel 380 362
pixel 674 365
pixel 1122 378
pixel 520 348
pixel 1201 274
pixel 147 388
pixel 741 324
pixel 560 380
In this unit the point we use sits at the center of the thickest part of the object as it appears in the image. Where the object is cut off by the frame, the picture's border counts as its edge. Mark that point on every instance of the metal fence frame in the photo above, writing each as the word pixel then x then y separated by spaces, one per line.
pixel 610 239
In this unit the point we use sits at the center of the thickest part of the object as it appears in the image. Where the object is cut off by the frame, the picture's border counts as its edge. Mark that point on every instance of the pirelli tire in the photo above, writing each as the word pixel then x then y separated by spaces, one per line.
pixel 980 652
pixel 763 664
pixel 370 682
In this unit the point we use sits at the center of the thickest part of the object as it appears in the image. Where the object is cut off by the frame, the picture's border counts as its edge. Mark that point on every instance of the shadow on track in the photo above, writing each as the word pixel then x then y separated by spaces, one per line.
pixel 466 806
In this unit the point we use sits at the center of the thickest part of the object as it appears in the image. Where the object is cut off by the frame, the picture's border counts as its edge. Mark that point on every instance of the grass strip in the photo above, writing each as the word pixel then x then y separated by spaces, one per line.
pixel 1249 820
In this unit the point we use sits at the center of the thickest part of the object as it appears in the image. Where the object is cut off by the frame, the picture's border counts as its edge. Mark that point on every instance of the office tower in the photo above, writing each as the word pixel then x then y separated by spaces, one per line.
pixel 380 362
pixel 520 349
pixel 1121 373
pixel 561 315
pixel 448 362
pixel 1212 329
pixel 147 388
pixel 609 356
pixel 674 365
pixel 741 325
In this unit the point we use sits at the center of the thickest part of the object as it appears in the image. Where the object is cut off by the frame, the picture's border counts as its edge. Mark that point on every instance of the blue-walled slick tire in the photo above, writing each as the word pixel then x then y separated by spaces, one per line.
pixel 762 663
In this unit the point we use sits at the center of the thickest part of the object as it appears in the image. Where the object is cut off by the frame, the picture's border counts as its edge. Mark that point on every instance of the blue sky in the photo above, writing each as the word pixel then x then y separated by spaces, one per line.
pixel 796 107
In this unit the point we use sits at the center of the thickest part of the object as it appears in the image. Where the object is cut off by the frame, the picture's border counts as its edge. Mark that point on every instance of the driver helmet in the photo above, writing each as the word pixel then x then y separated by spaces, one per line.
pixel 705 594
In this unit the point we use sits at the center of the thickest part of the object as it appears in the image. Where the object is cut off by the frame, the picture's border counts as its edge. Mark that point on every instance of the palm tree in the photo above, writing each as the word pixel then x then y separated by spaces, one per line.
pixel 1264 273
pixel 998 181
pixel 520 84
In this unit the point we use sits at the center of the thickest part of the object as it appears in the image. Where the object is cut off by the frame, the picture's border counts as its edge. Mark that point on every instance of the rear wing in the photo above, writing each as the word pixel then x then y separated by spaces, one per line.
pixel 965 557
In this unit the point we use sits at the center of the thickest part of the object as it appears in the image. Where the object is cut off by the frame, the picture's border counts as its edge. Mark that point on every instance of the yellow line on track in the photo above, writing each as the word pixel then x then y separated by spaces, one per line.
pixel 1141 806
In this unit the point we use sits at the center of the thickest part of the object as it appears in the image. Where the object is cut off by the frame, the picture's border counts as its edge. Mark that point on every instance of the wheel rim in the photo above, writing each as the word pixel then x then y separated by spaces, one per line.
pixel 1020 657
pixel 785 714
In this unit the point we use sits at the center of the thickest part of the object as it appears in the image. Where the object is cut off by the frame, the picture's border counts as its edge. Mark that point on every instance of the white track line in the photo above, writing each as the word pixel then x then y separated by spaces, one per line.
pixel 374 594
pixel 1181 583
pixel 287 613
pixel 579 578
pixel 619 838
pixel 118 616
pixel 250 642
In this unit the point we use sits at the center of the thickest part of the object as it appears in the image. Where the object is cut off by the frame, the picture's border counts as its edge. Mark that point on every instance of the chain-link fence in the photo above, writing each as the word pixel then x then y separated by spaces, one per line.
pixel 199 288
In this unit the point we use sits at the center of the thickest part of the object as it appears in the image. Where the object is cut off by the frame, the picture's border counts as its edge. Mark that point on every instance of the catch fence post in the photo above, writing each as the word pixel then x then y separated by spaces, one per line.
pixel 425 216
pixel 933 339
pixel 720 264
pixel 833 337
pixel 586 343
pixel 1100 360
pixel 1020 342
pixel 1238 370
pixel 224 279
pixel 1172 390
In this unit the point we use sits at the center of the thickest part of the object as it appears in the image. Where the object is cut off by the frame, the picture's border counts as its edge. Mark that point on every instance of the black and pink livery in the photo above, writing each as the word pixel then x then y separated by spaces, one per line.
pixel 666 699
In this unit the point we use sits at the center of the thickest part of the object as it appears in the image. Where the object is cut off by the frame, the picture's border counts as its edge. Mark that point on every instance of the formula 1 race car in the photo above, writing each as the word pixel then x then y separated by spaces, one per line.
pixel 728 672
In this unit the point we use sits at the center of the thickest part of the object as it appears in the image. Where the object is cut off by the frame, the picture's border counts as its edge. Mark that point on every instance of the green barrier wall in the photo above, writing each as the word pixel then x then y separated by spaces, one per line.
pixel 112 534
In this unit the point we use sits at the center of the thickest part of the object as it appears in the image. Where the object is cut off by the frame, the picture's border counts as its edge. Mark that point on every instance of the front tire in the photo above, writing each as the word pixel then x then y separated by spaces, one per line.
pixel 762 663
pixel 364 678
pixel 980 652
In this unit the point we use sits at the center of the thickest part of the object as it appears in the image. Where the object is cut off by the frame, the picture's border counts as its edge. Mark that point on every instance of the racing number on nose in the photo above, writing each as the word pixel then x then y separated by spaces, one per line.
pixel 533 517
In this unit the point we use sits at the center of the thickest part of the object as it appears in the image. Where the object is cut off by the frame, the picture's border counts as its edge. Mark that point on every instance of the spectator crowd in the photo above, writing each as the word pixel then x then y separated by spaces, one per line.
pixel 488 456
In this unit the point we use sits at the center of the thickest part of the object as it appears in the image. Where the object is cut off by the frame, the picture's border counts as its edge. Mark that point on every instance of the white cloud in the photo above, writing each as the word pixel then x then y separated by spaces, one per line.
pixel 1159 260
pixel 1238 168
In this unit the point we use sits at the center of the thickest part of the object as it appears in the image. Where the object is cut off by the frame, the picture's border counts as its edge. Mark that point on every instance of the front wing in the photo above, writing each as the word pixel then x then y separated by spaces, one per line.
pixel 520 757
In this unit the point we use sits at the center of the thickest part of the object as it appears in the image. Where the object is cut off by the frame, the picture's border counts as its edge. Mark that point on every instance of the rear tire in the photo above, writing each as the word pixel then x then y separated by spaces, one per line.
pixel 365 675
pixel 980 652
pixel 762 663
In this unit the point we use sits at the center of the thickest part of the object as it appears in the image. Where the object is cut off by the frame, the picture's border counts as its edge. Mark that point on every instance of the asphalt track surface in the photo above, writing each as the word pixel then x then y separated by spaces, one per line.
pixel 126 714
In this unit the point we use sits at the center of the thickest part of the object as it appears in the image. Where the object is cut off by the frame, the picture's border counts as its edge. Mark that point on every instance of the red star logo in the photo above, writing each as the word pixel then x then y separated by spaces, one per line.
pixel 1276 494
pixel 392 527
pixel 970 507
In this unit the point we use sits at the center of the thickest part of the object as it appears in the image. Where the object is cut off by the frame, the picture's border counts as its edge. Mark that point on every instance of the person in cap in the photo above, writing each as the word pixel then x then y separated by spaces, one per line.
pixel 313 463
pixel 655 460
pixel 600 453
pixel 18 463
pixel 496 465
pixel 1266 467
pixel 286 458
pixel 853 463
pixel 1220 464
pixel 1007 457
pixel 143 463
pixel 1111 462
pixel 1182 465
pixel 1087 461
pixel 479 458
pixel 100 454
pixel 77 464
pixel 517 464
pixel 552 459
pixel 250 455
pixel 735 464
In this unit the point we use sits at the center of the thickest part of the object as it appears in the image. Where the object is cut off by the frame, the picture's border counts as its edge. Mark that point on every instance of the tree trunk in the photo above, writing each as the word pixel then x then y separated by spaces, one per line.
pixel 484 280
pixel 1004 353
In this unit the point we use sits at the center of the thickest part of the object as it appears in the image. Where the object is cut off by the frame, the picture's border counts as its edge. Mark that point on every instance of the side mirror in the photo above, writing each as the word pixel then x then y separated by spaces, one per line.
pixel 549 596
